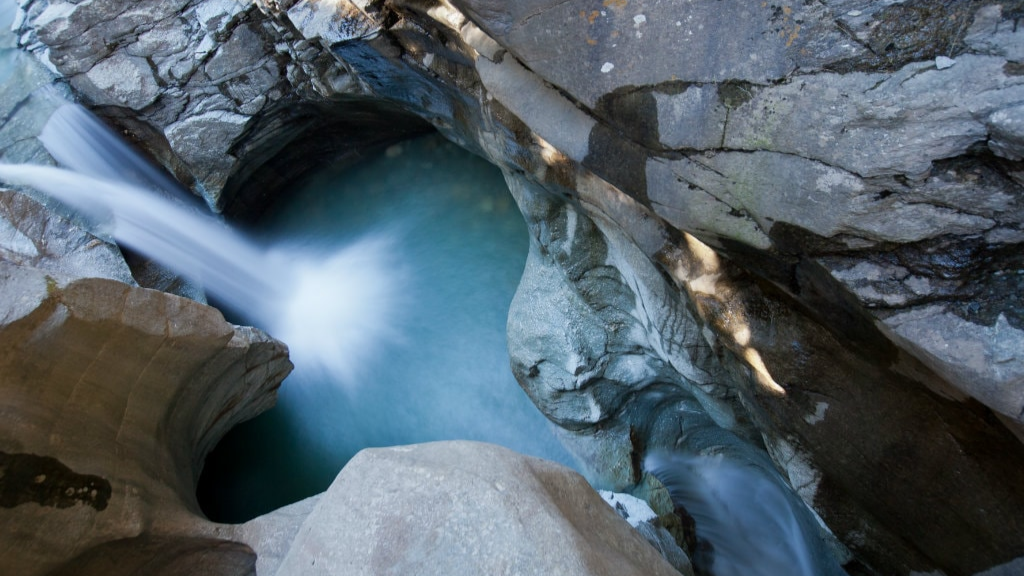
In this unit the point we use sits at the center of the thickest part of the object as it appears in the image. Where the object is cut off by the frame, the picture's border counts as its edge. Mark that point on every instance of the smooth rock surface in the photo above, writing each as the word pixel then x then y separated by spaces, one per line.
pixel 164 557
pixel 465 508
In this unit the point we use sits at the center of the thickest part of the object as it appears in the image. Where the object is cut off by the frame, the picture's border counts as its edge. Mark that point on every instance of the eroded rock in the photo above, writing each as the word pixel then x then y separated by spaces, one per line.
pixel 113 393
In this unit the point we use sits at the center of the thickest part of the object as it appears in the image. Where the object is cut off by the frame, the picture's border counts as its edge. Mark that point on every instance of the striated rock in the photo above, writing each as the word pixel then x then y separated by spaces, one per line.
pixel 465 508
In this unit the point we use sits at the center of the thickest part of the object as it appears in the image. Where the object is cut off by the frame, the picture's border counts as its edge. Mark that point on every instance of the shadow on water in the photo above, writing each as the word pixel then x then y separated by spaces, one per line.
pixel 442 374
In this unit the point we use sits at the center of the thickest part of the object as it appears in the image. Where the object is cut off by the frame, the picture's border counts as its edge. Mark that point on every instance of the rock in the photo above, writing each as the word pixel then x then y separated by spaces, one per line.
pixel 742 196
pixel 198 139
pixel 646 522
pixel 1006 127
pixel 163 556
pixel 465 508
pixel 986 363
pixel 652 44
pixel 32 236
pixel 28 95
pixel 121 80
pixel 875 124
pixel 114 395
pixel 330 23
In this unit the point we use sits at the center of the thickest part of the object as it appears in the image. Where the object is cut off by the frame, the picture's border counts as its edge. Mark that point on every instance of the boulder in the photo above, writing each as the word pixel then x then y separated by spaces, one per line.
pixel 465 508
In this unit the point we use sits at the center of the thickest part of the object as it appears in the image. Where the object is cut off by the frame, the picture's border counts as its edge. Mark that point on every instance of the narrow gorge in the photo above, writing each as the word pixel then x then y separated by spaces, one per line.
pixel 771 300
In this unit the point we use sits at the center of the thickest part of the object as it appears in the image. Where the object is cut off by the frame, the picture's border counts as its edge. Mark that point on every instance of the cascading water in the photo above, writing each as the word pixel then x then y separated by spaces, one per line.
pixel 270 286
pixel 80 142
pixel 744 516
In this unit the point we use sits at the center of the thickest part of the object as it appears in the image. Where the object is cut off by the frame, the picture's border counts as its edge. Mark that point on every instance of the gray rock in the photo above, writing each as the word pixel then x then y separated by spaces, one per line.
pixel 200 141
pixel 331 23
pixel 983 362
pixel 465 508
pixel 623 44
pixel 28 95
pixel 877 124
pixel 32 236
pixel 120 80
pixel 694 118
pixel 741 196
pixel 1006 127
pixel 993 32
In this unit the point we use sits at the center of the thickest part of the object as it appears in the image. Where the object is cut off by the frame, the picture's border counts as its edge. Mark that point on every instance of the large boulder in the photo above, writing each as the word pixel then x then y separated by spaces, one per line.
pixel 465 508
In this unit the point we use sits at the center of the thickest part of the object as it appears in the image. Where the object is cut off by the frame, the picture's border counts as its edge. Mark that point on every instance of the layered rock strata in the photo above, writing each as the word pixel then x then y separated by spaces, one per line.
pixel 784 229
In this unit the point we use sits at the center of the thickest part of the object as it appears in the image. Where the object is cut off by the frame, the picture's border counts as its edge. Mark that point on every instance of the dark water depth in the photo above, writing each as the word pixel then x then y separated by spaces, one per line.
pixel 461 246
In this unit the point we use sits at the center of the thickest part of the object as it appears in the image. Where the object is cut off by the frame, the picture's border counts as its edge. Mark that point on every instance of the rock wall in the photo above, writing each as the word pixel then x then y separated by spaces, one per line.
pixel 783 229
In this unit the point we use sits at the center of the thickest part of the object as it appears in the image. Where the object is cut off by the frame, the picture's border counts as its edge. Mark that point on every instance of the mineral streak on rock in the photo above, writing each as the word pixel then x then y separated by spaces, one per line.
pixel 45 481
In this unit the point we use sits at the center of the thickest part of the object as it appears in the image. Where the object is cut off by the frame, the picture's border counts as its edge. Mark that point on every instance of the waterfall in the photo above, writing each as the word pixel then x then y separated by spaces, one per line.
pixel 80 142
pixel 332 309
pixel 752 523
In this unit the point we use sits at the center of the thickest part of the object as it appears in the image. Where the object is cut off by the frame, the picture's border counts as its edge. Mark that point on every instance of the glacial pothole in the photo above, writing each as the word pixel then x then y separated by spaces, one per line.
pixel 442 369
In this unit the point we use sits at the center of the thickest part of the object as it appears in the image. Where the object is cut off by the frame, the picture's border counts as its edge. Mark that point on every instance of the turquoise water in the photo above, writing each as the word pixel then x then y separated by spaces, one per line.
pixel 460 245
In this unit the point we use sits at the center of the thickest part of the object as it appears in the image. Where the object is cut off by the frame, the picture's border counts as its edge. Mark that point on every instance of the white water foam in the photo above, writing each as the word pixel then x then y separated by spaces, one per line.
pixel 333 310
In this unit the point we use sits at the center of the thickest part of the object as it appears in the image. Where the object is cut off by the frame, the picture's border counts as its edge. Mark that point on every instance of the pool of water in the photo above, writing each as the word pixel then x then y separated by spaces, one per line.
pixel 460 245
